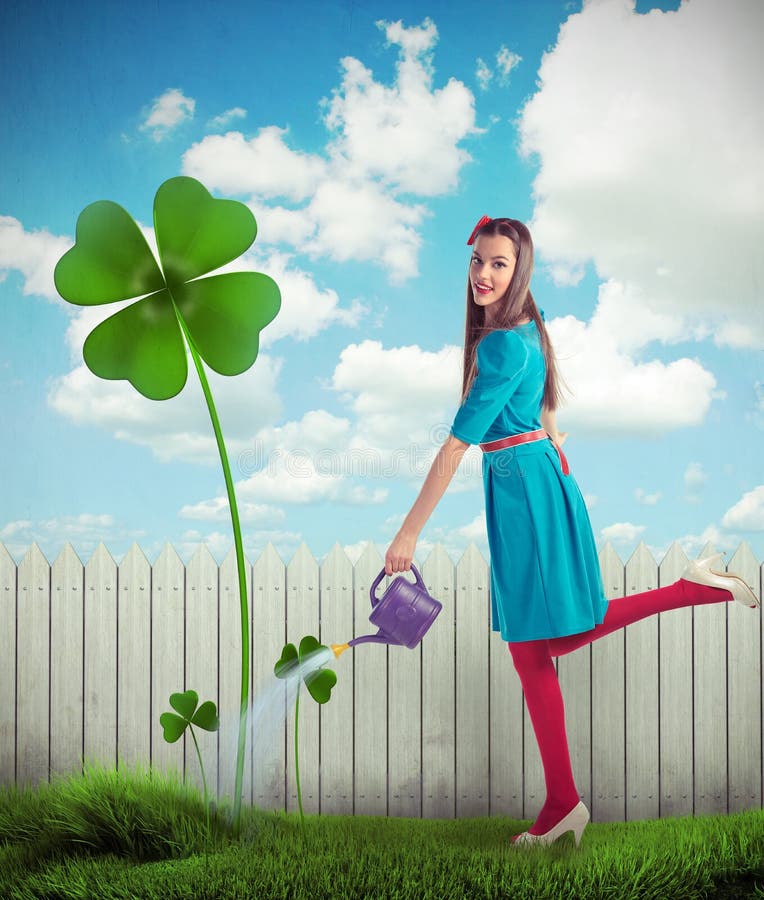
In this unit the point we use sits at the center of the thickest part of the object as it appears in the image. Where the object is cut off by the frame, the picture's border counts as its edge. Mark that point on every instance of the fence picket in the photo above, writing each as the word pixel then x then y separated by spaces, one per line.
pixel 302 613
pixel 8 594
pixel 642 694
pixel 229 679
pixel 664 717
pixel 710 705
pixel 336 717
pixel 67 581
pixel 370 662
pixel 201 658
pixel 134 724
pixel 609 704
pixel 676 679
pixel 266 742
pixel 472 736
pixel 438 713
pixel 167 657
pixel 100 713
pixel 33 669
pixel 744 692
pixel 506 726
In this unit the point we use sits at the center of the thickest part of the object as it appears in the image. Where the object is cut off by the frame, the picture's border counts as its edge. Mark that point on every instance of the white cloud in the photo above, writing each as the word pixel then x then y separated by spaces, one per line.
pixel 263 166
pixel 168 111
pixel 34 254
pixel 220 544
pixel 506 60
pixel 218 510
pixel 361 222
pixel 407 134
pixel 647 499
pixel 748 513
pixel 475 530
pixel 622 532
pixel 757 414
pixel 638 398
pixel 294 478
pixel 299 463
pixel 483 74
pixel 306 309
pixel 179 428
pixel 13 528
pixel 402 402
pixel 693 544
pixel 653 172
pixel 400 395
pixel 227 117
pixel 386 145
pixel 694 478
pixel 85 531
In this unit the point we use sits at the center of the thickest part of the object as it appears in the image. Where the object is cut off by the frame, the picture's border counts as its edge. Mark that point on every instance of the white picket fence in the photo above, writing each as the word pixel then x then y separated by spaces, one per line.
pixel 664 717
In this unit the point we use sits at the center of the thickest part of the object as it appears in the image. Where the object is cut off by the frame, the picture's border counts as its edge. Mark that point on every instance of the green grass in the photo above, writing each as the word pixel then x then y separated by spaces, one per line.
pixel 139 834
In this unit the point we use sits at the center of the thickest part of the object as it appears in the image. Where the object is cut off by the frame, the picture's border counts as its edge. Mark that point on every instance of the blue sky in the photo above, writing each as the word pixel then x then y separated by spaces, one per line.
pixel 368 138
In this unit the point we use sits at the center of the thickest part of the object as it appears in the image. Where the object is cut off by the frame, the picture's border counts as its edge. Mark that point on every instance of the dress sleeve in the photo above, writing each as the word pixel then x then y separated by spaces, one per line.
pixel 501 359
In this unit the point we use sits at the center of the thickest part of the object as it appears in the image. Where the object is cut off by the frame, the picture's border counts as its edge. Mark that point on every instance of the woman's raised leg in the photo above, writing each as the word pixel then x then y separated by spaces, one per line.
pixel 623 611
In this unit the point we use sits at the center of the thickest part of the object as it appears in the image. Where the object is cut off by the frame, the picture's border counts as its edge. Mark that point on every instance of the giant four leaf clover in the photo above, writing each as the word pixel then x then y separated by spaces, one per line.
pixel 220 316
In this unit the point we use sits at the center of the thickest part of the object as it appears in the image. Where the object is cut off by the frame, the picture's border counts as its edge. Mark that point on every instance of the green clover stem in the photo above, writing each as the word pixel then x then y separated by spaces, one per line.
pixel 296 751
pixel 242 575
pixel 204 780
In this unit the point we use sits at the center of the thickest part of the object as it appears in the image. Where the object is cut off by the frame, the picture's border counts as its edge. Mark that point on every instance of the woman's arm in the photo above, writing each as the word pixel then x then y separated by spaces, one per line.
pixel 401 551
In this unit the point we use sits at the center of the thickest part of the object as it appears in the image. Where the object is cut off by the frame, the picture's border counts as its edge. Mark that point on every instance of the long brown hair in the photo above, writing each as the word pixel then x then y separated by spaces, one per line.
pixel 516 304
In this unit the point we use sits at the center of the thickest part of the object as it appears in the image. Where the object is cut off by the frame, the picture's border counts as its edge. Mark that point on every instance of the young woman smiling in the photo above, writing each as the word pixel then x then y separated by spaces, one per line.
pixel 547 597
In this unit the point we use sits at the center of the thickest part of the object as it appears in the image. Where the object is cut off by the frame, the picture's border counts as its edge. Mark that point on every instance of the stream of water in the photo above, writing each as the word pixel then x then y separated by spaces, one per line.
pixel 266 715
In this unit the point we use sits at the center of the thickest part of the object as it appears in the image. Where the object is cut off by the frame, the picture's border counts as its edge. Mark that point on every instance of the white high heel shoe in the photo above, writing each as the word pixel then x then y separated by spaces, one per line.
pixel 699 571
pixel 575 821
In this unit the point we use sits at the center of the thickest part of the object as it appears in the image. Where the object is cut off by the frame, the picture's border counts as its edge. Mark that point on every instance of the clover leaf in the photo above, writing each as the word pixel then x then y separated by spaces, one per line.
pixel 185 703
pixel 221 314
pixel 319 683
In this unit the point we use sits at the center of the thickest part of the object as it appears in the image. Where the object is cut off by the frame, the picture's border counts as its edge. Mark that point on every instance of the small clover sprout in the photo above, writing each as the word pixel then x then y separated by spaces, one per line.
pixel 173 726
pixel 318 681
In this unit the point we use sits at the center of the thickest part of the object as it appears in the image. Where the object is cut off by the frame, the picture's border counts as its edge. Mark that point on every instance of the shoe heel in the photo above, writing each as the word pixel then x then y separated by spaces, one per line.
pixel 579 825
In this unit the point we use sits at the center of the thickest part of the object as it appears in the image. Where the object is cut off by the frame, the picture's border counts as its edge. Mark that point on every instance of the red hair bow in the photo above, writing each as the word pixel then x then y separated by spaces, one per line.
pixel 484 221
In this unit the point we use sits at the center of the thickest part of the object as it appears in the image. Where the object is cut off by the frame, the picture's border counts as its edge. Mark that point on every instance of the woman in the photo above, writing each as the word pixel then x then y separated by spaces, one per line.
pixel 547 597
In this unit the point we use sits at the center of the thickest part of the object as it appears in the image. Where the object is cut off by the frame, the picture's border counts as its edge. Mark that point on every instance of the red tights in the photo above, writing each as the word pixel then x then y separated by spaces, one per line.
pixel 533 662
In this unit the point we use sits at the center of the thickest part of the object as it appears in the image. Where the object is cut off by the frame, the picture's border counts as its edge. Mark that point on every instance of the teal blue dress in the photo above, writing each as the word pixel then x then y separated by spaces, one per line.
pixel 545 573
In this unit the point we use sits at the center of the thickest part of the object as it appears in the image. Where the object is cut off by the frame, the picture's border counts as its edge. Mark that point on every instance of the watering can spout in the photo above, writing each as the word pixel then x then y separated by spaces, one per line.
pixel 339 648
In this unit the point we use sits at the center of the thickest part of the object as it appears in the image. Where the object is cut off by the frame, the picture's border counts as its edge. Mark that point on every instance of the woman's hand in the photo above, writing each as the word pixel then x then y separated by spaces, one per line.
pixel 549 424
pixel 400 553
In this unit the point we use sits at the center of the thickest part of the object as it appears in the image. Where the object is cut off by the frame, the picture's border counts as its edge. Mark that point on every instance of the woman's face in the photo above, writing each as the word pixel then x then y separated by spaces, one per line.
pixel 491 268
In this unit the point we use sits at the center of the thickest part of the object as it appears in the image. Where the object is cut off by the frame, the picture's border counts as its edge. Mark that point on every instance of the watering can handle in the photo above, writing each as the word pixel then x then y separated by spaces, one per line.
pixel 375 599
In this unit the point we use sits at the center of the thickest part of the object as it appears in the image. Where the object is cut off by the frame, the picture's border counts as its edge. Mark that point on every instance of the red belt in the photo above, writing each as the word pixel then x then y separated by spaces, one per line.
pixel 524 438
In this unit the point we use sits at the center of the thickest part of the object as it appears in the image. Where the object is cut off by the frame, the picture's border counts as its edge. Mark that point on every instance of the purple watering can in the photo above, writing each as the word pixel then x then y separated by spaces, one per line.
pixel 403 614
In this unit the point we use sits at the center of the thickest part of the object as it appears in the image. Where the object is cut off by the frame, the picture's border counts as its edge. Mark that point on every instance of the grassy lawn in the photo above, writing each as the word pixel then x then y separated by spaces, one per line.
pixel 136 834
